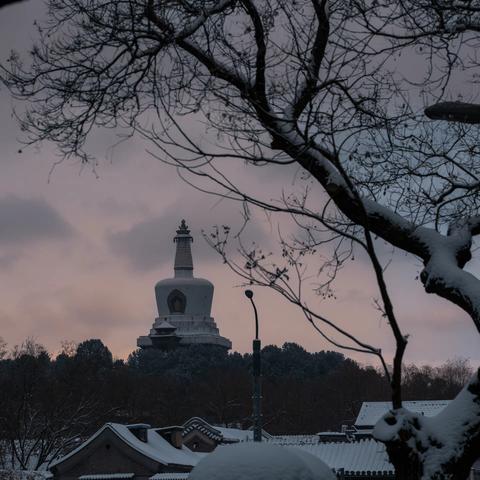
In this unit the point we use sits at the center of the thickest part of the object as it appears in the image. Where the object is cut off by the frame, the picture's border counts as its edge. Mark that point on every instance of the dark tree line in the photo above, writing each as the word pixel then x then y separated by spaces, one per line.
pixel 48 403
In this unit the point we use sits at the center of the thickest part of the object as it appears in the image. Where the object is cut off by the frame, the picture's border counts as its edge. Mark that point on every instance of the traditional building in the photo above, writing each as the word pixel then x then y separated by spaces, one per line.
pixel 349 458
pixel 135 452
pixel 200 436
pixel 184 304
pixel 358 460
pixel 139 452
pixel 371 412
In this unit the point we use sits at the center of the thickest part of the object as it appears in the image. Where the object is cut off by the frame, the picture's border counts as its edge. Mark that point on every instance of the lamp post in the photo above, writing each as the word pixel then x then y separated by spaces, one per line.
pixel 460 112
pixel 257 386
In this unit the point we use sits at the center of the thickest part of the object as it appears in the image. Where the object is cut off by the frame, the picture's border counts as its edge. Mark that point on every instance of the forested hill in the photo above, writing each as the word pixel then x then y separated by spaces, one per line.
pixel 291 360
pixel 303 392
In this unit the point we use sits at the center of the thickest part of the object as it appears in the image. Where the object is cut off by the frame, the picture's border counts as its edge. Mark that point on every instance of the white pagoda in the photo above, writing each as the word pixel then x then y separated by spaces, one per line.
pixel 184 304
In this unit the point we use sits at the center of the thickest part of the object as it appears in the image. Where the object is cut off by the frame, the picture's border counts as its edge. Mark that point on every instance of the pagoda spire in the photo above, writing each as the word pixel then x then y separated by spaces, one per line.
pixel 183 256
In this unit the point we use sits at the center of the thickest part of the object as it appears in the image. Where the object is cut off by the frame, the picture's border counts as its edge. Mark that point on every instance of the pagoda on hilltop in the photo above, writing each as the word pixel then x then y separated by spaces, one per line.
pixel 184 304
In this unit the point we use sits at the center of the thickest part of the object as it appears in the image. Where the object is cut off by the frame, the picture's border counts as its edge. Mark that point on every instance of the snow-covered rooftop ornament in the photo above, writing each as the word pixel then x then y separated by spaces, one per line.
pixel 260 461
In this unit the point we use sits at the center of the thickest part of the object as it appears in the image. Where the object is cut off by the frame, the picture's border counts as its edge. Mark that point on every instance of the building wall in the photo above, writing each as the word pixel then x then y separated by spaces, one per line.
pixel 108 454
pixel 198 442
pixel 365 476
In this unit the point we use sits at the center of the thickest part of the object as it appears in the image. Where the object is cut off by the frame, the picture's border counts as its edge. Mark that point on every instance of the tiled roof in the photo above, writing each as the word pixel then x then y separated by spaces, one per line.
pixel 294 439
pixel 201 425
pixel 235 434
pixel 106 476
pixel 355 458
pixel 371 412
pixel 156 447
pixel 169 476
pixel 219 433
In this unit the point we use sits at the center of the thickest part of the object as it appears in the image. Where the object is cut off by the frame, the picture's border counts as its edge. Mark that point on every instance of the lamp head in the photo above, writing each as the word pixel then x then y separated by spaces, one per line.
pixel 249 294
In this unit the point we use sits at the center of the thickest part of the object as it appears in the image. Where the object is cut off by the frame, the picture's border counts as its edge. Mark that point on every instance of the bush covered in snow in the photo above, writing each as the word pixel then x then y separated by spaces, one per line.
pixel 260 461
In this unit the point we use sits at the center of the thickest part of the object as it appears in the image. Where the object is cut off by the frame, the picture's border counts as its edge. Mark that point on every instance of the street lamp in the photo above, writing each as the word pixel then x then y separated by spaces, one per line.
pixel 257 386
pixel 454 112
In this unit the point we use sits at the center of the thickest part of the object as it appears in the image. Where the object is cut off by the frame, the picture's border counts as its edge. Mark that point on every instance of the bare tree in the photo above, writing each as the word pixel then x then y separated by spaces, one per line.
pixel 278 82
pixel 3 348
pixel 37 435
pixel 39 418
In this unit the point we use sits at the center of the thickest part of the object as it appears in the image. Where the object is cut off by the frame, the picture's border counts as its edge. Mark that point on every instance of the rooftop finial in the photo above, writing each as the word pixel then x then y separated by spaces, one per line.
pixel 183 256
pixel 183 229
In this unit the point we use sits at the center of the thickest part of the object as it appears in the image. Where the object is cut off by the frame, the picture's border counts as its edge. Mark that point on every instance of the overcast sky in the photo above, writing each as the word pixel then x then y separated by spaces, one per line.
pixel 80 252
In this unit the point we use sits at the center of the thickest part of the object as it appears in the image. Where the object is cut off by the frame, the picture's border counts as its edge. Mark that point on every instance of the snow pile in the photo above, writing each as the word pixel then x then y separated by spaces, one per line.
pixel 260 461
pixel 439 440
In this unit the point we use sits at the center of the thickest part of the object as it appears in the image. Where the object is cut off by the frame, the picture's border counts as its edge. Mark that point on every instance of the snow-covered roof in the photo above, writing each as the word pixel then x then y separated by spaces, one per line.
pixel 197 423
pixel 106 476
pixel 169 476
pixel 235 434
pixel 354 457
pixel 294 439
pixel 156 447
pixel 371 412
pixel 219 434
pixel 166 326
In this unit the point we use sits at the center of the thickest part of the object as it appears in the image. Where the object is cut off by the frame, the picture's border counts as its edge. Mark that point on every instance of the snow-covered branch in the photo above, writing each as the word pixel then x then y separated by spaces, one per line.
pixel 443 446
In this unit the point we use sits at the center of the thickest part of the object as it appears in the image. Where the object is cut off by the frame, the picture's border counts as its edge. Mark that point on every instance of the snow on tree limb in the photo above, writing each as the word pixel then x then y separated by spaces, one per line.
pixel 441 443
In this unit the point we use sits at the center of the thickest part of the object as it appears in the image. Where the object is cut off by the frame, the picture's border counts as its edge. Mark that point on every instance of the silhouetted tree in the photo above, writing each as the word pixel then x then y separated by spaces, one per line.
pixel 93 355
pixel 39 418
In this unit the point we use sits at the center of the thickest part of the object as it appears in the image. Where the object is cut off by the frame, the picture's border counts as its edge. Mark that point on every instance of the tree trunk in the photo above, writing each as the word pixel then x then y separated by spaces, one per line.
pixel 398 454
pixel 443 447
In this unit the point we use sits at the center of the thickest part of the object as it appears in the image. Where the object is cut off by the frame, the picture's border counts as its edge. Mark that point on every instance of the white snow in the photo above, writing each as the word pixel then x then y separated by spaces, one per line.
pixel 170 476
pixel 235 434
pixel 438 439
pixel 355 458
pixel 107 476
pixel 222 434
pixel 371 412
pixel 156 447
pixel 295 439
pixel 260 461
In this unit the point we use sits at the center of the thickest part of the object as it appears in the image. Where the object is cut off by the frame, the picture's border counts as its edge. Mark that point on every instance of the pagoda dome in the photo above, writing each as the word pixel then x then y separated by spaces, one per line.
pixel 184 296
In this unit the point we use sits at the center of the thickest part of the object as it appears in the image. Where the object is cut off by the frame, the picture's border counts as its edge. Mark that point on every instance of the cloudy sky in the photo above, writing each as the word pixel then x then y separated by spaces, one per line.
pixel 80 251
